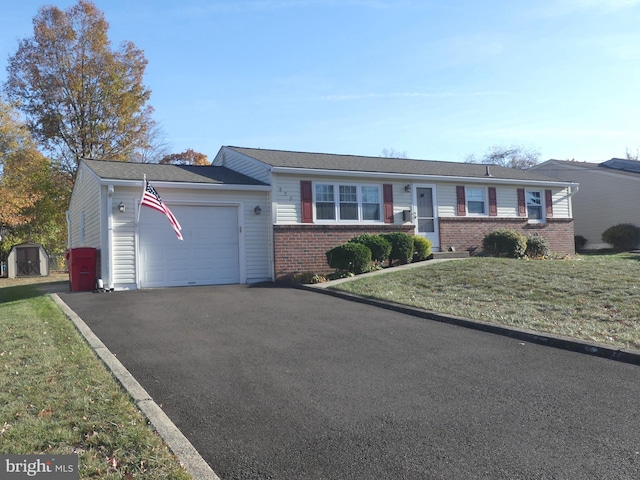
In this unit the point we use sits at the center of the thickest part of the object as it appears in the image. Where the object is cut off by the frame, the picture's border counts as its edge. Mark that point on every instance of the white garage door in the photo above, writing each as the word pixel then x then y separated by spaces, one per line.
pixel 208 255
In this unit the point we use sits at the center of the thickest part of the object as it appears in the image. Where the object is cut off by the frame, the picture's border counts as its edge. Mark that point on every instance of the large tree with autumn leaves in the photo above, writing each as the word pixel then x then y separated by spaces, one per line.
pixel 34 190
pixel 81 98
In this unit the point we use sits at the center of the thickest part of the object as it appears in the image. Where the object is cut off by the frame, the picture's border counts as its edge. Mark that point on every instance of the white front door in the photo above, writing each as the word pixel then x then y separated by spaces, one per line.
pixel 426 218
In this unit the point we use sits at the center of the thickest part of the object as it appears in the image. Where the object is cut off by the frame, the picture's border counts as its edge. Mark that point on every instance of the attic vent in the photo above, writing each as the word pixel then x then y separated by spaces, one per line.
pixel 488 174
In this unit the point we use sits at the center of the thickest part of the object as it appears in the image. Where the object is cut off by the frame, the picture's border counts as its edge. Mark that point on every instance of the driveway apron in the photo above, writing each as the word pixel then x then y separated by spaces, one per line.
pixel 270 382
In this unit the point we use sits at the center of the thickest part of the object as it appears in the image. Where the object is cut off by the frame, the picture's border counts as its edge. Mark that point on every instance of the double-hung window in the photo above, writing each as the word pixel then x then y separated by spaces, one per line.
pixel 534 205
pixel 325 202
pixel 348 203
pixel 476 201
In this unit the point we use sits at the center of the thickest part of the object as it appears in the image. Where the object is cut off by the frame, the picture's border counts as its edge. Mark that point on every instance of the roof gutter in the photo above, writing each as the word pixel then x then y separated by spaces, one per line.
pixel 420 178
pixel 189 185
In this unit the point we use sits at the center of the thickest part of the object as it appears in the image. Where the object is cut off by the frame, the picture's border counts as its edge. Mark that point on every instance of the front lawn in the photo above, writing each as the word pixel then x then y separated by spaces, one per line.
pixel 593 297
pixel 57 397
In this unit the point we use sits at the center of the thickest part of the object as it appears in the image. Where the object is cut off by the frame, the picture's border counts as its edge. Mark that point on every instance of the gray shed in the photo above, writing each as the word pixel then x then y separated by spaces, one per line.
pixel 28 260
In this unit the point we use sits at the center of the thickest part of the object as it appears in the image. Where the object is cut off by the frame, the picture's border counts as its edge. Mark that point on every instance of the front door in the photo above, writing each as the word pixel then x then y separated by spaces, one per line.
pixel 426 217
pixel 27 261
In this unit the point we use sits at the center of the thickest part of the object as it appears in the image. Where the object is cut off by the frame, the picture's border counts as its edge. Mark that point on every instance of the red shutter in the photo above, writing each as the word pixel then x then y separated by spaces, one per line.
pixel 493 202
pixel 462 207
pixel 307 201
pixel 548 201
pixel 522 206
pixel 387 199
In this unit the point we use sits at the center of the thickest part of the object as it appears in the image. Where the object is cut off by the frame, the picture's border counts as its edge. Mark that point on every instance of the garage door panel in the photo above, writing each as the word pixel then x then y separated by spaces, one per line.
pixel 208 255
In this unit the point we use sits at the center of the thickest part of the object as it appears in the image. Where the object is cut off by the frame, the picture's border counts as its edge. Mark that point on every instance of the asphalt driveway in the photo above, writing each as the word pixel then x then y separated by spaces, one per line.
pixel 276 383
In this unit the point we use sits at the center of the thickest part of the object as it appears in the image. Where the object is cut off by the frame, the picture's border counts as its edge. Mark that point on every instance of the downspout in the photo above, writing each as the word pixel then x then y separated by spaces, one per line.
pixel 68 216
pixel 572 191
pixel 110 236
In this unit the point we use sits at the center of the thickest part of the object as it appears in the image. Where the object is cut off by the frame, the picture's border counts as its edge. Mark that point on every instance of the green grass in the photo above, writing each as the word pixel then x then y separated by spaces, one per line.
pixel 57 397
pixel 594 297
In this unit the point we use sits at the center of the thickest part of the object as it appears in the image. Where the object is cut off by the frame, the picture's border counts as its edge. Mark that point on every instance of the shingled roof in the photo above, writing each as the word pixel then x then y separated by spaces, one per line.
pixel 354 163
pixel 169 173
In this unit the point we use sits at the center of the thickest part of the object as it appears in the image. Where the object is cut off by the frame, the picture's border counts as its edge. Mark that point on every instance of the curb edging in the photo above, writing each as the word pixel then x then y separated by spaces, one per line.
pixel 187 455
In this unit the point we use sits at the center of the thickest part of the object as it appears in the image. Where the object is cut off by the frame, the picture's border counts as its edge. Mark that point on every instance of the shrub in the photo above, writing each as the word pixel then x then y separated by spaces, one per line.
pixel 505 243
pixel 537 247
pixel 401 247
pixel 352 257
pixel 309 278
pixel 380 247
pixel 580 242
pixel 622 237
pixel 422 249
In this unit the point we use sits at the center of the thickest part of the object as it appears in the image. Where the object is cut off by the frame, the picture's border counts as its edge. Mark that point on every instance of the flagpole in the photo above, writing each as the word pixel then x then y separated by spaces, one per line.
pixel 144 187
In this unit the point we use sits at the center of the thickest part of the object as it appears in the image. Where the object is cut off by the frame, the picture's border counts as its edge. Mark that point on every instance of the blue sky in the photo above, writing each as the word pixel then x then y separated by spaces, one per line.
pixel 436 79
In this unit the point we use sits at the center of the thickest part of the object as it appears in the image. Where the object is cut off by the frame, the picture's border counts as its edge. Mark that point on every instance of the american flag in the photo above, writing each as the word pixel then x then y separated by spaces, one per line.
pixel 150 198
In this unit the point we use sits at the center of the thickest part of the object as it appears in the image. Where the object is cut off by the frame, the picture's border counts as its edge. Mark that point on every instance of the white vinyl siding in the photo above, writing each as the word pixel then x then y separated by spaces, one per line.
pixel 255 236
pixel 85 202
pixel 506 199
pixel 243 164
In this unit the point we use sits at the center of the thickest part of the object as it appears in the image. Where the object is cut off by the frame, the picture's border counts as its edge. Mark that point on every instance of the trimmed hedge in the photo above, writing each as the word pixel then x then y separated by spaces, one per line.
pixel 380 247
pixel 623 237
pixel 401 247
pixel 352 257
pixel 505 242
pixel 422 248
pixel 537 247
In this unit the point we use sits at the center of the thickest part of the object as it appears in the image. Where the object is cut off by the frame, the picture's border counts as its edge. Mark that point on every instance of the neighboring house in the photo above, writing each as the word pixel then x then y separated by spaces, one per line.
pixel 609 194
pixel 257 215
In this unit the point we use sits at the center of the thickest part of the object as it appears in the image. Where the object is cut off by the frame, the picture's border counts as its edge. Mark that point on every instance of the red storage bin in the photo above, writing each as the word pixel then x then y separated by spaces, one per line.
pixel 82 269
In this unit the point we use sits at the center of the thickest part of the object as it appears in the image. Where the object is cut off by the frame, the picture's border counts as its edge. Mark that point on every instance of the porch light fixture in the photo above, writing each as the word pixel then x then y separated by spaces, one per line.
pixel 121 207
pixel 257 210
pixel 407 187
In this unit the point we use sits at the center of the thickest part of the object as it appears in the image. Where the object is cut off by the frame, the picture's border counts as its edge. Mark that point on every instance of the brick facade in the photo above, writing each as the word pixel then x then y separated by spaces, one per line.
pixel 467 233
pixel 302 248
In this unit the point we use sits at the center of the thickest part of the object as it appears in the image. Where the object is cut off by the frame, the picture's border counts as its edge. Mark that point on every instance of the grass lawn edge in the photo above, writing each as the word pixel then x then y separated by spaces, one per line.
pixel 611 352
pixel 187 455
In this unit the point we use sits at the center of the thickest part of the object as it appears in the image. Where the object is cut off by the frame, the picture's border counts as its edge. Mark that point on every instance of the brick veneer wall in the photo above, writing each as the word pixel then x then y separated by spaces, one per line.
pixel 302 248
pixel 466 233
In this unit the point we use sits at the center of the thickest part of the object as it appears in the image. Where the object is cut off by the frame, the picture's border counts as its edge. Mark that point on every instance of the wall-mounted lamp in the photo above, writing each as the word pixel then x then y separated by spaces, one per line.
pixel 257 210
pixel 121 207
pixel 407 187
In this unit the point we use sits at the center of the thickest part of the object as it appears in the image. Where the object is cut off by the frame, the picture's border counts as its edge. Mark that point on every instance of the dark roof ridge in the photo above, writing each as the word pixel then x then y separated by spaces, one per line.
pixel 352 155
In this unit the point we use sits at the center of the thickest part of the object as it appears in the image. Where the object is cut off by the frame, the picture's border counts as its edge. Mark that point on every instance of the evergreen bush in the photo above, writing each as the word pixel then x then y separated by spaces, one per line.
pixel 352 257
pixel 380 247
pixel 580 242
pixel 401 247
pixel 505 242
pixel 623 237
pixel 422 248
pixel 537 247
